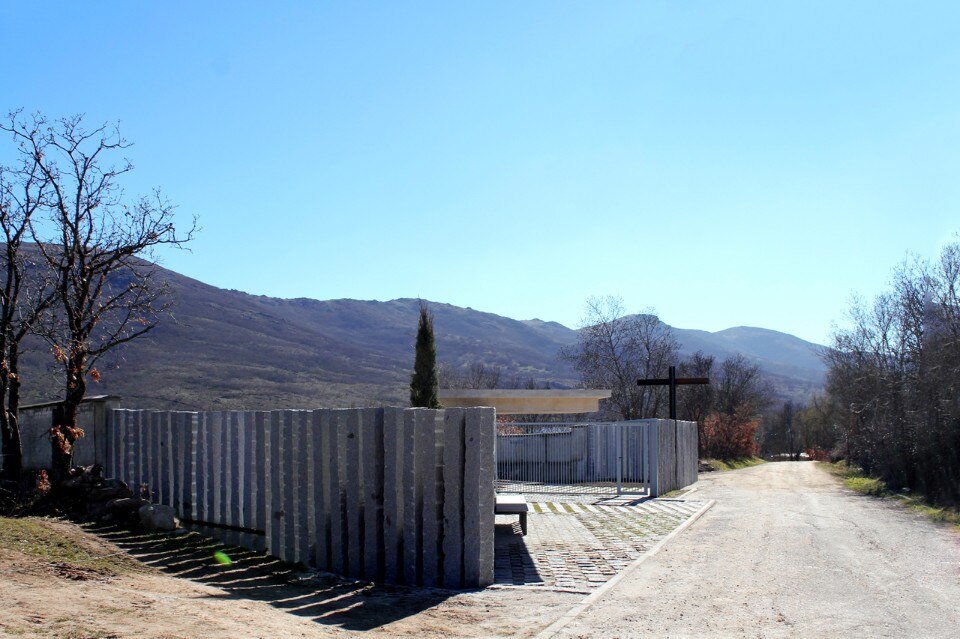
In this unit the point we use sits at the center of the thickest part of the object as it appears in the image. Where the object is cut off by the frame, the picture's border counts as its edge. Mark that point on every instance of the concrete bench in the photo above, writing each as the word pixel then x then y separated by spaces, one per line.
pixel 510 504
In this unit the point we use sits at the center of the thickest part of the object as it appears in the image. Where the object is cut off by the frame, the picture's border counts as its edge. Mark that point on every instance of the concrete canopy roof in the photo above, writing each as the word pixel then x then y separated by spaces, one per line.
pixel 526 402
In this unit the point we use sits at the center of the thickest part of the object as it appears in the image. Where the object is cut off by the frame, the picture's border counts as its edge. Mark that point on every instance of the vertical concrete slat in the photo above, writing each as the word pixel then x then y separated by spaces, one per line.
pixel 488 436
pixel 166 458
pixel 453 460
pixel 136 478
pixel 287 480
pixel 235 470
pixel 303 487
pixel 223 461
pixel 322 491
pixel 372 461
pixel 247 486
pixel 352 489
pixel 153 456
pixel 311 445
pixel 393 494
pixel 478 497
pixel 432 497
pixel 261 481
pixel 176 462
pixel 273 495
pixel 412 500
pixel 214 465
pixel 336 502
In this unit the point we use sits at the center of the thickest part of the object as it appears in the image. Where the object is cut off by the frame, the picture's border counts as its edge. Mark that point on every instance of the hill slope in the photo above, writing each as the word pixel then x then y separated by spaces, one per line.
pixel 228 349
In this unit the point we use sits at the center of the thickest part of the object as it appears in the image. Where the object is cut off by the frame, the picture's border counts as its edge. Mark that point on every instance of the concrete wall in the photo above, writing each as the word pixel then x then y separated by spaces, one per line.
pixel 37 419
pixel 676 462
pixel 390 494
pixel 659 454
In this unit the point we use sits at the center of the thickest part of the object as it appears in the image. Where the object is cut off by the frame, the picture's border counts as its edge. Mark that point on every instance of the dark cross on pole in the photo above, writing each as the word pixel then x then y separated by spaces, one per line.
pixel 673 381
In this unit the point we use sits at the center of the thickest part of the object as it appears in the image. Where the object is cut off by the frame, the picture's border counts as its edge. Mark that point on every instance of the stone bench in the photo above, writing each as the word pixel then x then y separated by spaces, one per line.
pixel 513 504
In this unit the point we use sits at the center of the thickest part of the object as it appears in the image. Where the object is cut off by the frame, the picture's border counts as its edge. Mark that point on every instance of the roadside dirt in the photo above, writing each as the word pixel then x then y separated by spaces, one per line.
pixel 787 551
pixel 179 591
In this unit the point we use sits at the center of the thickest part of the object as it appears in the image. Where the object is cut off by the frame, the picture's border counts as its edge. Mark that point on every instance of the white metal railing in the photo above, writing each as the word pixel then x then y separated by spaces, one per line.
pixel 575 458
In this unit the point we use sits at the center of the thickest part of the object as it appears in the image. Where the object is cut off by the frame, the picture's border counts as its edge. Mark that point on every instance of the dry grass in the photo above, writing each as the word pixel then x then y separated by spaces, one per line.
pixel 855 479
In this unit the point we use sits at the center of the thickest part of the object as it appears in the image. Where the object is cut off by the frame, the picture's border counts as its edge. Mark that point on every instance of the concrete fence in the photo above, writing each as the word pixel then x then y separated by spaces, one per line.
pixel 654 456
pixel 388 494
pixel 36 420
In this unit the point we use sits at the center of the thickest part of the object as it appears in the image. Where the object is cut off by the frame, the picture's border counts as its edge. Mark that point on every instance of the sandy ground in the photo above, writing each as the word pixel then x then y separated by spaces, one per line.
pixel 787 551
pixel 179 593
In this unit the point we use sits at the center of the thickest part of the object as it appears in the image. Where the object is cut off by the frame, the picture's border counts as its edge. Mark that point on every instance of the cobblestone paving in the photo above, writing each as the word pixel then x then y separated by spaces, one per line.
pixel 580 546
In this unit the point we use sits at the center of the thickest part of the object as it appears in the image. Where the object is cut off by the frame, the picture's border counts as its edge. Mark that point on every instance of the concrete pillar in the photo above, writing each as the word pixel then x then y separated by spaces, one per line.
pixel 321 491
pixel 288 483
pixel 231 480
pixel 393 494
pixel 274 512
pixel 453 460
pixel 335 498
pixel 478 496
pixel 166 459
pixel 302 472
pixel 216 459
pixel 262 476
pixel 352 488
pixel 412 500
pixel 372 461
pixel 430 471
pixel 192 437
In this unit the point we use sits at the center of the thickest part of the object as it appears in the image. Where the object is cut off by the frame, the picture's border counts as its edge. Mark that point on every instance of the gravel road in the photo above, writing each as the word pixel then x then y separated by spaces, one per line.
pixel 788 551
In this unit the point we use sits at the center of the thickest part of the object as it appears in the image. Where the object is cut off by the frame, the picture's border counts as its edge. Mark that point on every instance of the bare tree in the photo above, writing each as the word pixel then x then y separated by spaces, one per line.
pixel 98 245
pixel 24 293
pixel 614 350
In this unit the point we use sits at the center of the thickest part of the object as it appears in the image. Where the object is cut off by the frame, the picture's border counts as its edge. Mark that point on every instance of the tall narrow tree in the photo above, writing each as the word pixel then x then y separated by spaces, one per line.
pixel 424 381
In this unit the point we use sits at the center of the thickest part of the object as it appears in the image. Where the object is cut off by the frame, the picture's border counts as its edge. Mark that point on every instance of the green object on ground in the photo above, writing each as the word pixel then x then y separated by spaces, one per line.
pixel 222 558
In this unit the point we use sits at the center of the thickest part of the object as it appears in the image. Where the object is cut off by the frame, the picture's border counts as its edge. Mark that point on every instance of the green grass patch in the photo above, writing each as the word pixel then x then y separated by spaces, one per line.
pixel 41 538
pixel 855 479
pixel 732 464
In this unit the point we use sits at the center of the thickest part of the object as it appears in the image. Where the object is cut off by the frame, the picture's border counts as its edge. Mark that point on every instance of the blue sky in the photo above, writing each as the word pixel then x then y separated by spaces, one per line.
pixel 727 163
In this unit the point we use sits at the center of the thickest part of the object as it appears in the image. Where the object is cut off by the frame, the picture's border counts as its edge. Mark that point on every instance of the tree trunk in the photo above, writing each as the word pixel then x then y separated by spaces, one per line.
pixel 65 433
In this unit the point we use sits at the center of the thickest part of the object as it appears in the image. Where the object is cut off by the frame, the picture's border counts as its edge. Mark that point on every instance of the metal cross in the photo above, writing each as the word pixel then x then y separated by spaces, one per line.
pixel 673 381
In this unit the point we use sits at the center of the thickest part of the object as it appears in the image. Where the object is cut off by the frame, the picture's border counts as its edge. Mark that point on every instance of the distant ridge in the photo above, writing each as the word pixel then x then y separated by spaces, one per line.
pixel 228 349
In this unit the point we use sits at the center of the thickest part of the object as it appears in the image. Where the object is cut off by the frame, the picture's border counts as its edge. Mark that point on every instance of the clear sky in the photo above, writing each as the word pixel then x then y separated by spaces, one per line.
pixel 728 163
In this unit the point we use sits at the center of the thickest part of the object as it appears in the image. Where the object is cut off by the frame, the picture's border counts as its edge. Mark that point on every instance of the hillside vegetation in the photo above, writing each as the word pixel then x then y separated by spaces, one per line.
pixel 225 349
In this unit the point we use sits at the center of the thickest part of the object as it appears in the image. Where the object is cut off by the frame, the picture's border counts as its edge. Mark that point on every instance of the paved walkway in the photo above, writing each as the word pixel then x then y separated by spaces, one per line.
pixel 787 551
pixel 579 546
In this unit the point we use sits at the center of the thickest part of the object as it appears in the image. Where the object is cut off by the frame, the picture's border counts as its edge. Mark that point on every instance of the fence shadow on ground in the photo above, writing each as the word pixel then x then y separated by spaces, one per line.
pixel 512 563
pixel 254 576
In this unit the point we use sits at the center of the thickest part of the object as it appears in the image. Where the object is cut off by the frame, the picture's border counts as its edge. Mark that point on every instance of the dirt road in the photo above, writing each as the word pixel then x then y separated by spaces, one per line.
pixel 788 551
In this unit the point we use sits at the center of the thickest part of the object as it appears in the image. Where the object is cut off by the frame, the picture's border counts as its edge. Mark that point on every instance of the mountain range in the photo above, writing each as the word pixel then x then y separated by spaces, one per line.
pixel 226 349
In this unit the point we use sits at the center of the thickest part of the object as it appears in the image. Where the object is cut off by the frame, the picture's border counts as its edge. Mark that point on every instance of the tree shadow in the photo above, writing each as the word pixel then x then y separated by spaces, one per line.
pixel 251 575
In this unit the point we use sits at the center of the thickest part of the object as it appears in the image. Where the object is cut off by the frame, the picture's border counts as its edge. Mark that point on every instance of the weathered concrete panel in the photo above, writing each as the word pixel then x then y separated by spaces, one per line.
pixel 336 499
pixel 412 501
pixel 453 460
pixel 274 496
pixel 352 489
pixel 322 492
pixel 262 478
pixel 393 494
pixel 478 497
pixel 304 541
pixel 288 487
pixel 371 460
pixel 429 460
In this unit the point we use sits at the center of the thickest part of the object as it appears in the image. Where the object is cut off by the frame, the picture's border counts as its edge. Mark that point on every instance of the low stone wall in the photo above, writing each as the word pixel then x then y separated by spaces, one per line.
pixel 388 494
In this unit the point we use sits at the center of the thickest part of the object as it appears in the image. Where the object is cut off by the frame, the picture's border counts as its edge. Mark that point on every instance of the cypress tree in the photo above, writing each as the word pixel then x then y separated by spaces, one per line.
pixel 424 382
